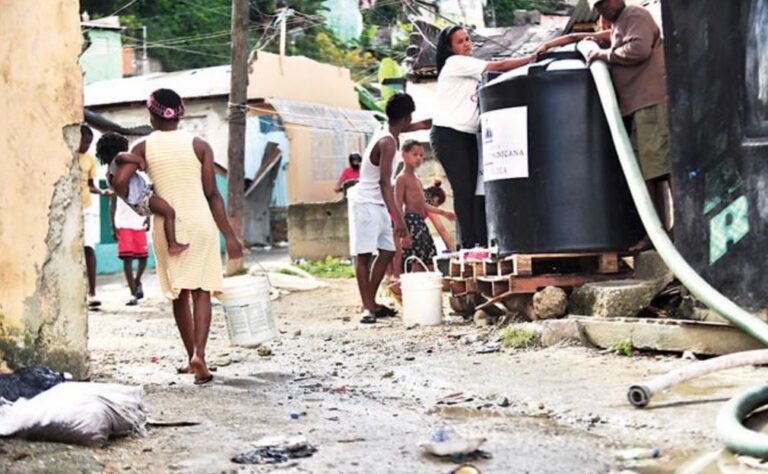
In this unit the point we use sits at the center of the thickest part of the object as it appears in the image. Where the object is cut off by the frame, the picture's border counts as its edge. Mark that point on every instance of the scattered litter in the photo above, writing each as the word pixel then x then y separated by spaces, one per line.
pixel 29 382
pixel 288 277
pixel 171 423
pixel 154 360
pixel 388 375
pixel 352 440
pixel 456 398
pixel 466 469
pixel 20 455
pixel 638 454
pixel 341 389
pixel 688 355
pixel 295 415
pixel 488 348
pixel 503 402
pixel 409 358
pixel 445 443
pixel 264 351
pixel 76 413
pixel 276 450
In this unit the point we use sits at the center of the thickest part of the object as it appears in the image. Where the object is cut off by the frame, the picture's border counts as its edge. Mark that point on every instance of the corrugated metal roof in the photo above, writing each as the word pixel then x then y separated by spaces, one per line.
pixel 512 41
pixel 323 116
pixel 204 82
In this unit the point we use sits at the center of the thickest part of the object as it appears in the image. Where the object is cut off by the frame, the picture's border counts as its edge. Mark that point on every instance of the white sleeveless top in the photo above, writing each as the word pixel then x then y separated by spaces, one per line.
pixel 368 189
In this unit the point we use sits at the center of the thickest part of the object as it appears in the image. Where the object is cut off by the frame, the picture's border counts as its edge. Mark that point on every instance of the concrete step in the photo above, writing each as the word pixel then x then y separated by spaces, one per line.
pixel 613 298
pixel 667 335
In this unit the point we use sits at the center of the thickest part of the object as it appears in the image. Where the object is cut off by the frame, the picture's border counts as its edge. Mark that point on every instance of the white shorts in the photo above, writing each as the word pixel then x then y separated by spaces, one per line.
pixel 91 229
pixel 370 228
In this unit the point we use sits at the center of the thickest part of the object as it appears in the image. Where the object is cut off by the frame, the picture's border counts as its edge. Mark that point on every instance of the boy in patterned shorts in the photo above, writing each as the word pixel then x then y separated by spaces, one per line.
pixel 409 196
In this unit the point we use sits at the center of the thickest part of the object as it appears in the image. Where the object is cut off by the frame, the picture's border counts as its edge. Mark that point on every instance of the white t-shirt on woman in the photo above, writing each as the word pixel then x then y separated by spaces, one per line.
pixel 456 100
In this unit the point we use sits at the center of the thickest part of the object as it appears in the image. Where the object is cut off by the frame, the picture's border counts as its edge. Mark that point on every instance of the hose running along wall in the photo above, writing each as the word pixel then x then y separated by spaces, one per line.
pixel 730 428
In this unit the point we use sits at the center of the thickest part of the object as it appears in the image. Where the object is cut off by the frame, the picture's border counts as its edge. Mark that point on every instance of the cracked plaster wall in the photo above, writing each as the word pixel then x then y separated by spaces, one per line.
pixel 43 318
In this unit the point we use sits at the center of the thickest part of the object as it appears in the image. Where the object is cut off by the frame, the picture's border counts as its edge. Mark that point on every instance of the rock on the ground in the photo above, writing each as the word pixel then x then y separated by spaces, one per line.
pixel 549 303
pixel 521 305
pixel 483 319
pixel 613 299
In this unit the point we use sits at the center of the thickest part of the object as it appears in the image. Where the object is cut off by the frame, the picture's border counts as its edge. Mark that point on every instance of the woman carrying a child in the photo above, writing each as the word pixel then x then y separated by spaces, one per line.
pixel 181 167
pixel 456 122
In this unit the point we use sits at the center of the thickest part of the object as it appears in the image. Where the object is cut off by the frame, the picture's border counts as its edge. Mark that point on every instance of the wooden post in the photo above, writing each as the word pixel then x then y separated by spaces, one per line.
pixel 237 114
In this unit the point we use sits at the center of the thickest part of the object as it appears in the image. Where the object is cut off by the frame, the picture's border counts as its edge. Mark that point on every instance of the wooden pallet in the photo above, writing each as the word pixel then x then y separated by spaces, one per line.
pixel 538 264
pixel 494 286
pixel 533 264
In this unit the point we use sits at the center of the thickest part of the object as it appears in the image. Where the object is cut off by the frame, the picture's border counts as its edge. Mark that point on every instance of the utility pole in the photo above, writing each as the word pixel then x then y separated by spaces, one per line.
pixel 237 114
pixel 144 57
pixel 283 26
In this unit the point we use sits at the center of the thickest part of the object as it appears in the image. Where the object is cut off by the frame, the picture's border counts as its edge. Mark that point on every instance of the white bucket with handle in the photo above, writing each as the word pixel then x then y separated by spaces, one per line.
pixel 422 296
pixel 248 310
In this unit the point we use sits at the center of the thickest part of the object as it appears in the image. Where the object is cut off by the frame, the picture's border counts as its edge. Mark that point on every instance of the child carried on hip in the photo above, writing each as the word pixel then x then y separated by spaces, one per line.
pixel 133 189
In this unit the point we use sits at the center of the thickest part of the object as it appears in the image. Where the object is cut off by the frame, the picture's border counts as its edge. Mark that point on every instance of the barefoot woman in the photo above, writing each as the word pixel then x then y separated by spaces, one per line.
pixel 182 169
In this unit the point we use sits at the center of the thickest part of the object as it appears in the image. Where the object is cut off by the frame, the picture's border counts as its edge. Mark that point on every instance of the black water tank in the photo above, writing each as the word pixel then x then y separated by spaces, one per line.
pixel 553 182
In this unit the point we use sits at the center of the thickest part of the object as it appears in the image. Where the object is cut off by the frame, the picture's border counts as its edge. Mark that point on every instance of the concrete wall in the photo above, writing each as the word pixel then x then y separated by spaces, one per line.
pixel 43 317
pixel 293 78
pixel 318 230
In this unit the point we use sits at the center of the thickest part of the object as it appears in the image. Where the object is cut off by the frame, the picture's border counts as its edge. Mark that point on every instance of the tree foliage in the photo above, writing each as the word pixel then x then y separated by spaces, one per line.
pixel 185 34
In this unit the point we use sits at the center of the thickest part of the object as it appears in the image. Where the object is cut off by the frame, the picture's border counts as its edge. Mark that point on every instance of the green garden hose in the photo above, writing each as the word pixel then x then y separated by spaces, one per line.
pixel 730 428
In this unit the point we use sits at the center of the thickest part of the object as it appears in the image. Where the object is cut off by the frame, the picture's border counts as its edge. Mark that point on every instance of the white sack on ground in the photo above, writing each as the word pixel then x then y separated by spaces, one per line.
pixel 76 413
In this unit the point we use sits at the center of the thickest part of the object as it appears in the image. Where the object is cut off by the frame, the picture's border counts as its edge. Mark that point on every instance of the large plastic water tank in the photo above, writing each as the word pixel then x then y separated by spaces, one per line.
pixel 552 179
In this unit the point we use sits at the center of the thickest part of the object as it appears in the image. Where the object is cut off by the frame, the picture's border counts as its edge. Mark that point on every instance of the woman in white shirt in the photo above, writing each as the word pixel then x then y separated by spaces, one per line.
pixel 456 123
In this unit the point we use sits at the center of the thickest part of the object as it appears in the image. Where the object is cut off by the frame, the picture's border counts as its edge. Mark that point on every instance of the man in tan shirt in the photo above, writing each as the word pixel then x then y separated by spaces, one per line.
pixel 634 51
pixel 636 57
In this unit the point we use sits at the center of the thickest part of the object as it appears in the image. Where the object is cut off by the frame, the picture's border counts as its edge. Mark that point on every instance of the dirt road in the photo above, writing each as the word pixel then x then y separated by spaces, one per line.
pixel 367 395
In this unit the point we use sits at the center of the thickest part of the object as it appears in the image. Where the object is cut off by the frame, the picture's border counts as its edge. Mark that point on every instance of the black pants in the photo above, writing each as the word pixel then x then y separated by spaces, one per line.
pixel 458 153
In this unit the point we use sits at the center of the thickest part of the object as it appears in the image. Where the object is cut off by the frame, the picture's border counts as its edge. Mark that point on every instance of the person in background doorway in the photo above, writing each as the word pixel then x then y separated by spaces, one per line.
pixel 91 226
pixel 636 57
pixel 457 122
pixel 350 174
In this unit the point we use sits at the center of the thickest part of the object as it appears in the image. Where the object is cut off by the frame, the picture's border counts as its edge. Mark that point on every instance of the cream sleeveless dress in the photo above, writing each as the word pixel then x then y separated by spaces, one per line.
pixel 176 173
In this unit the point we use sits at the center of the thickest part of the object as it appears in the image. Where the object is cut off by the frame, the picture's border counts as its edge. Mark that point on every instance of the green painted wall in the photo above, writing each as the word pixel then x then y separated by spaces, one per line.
pixel 104 57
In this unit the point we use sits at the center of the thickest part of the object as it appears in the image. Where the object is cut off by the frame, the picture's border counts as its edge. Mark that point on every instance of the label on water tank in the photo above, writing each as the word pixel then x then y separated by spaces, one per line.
pixel 505 143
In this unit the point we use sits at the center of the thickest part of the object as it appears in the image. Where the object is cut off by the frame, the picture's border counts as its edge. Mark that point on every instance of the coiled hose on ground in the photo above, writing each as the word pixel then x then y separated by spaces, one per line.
pixel 730 428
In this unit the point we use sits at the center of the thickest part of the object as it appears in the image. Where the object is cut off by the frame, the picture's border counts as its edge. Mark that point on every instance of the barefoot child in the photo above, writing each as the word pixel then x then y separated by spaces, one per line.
pixel 409 195
pixel 112 150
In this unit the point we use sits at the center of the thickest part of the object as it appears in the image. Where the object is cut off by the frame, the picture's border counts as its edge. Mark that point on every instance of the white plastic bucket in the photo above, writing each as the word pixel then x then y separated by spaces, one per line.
pixel 422 297
pixel 248 310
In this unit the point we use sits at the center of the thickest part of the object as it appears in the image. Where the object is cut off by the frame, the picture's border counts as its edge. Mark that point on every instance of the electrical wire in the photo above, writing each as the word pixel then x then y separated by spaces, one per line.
pixel 127 5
